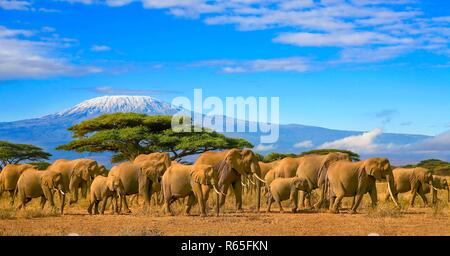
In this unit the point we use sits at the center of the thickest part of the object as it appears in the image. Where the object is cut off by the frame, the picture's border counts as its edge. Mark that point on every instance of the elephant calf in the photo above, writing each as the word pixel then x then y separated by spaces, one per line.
pixel 34 183
pixel 103 188
pixel 439 182
pixel 287 188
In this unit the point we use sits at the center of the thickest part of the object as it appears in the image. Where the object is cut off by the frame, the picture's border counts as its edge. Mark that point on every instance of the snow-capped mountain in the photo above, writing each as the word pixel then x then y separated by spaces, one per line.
pixel 114 104
pixel 51 130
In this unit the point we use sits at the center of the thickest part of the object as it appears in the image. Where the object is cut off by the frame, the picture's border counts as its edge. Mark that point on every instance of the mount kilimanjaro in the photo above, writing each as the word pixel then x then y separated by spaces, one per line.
pixel 51 130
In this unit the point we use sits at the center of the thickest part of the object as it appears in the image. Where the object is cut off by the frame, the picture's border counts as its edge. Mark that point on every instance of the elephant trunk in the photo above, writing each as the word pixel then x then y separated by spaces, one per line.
pixel 390 182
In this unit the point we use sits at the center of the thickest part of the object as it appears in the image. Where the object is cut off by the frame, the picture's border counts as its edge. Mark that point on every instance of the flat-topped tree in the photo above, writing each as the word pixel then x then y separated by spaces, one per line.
pixel 353 156
pixel 12 153
pixel 129 134
pixel 276 156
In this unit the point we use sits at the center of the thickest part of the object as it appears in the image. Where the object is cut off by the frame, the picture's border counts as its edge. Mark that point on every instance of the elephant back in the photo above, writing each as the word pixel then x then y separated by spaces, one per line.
pixel 11 173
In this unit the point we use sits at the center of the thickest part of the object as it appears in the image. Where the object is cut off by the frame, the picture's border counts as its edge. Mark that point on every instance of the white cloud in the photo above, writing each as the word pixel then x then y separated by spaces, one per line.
pixel 438 143
pixel 15 5
pixel 100 48
pixel 262 147
pixel 304 144
pixel 364 143
pixel 339 39
pixel 24 58
pixel 292 64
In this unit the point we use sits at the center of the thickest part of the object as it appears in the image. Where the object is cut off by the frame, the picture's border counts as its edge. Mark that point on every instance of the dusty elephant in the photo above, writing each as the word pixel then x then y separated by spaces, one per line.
pixel 194 182
pixel 231 165
pixel 103 188
pixel 138 179
pixel 34 183
pixel 9 177
pixel 287 188
pixel 410 180
pixel 439 183
pixel 76 174
pixel 311 167
pixel 349 179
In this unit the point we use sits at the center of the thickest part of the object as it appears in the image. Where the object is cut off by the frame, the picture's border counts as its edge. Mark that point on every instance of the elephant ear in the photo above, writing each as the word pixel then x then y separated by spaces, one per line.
pixel 199 176
pixel 372 168
pixel 81 170
pixel 47 180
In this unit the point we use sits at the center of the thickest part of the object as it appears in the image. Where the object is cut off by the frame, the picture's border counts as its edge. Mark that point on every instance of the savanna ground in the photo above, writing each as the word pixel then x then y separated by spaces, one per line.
pixel 386 220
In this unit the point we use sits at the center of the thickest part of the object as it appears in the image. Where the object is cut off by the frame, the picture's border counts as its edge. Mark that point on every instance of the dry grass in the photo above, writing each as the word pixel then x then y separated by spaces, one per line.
pixel 385 219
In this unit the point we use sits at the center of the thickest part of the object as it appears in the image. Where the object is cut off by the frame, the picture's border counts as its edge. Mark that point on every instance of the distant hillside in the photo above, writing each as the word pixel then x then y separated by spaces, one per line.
pixel 438 167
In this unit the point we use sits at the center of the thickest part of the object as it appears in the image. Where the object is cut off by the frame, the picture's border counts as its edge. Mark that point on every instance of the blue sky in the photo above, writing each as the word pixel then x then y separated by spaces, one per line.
pixel 355 65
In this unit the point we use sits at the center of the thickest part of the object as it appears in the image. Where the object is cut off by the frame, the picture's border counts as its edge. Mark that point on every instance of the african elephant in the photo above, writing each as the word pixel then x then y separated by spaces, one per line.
pixel 287 188
pixel 101 189
pixel 349 179
pixel 138 179
pixel 9 177
pixel 34 183
pixel 439 182
pixel 411 179
pixel 180 181
pixel 231 165
pixel 76 174
pixel 312 167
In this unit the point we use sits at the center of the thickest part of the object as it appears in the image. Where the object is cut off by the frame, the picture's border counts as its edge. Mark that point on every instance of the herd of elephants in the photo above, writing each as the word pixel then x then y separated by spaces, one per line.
pixel 333 176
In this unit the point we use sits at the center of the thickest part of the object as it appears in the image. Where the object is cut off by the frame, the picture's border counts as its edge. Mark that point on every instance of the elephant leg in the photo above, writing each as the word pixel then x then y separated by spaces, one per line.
pixel 125 203
pixel 237 188
pixel 424 198
pixel 434 197
pixel 190 202
pixel 198 192
pixel 302 199
pixel 91 204
pixel 358 197
pixel 43 201
pixel 280 207
pixel 321 198
pixel 103 206
pixel 96 207
pixel 337 202
pixel 63 202
pixel 11 194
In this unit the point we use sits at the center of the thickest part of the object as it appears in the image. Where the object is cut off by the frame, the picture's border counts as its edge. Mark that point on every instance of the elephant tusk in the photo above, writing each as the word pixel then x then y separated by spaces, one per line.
pixel 392 195
pixel 218 192
pixel 254 174
pixel 434 188
pixel 251 181
pixel 62 193
pixel 243 184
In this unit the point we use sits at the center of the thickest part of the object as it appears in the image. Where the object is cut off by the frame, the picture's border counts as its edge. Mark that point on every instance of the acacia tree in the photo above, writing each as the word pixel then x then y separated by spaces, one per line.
pixel 129 134
pixel 353 156
pixel 12 153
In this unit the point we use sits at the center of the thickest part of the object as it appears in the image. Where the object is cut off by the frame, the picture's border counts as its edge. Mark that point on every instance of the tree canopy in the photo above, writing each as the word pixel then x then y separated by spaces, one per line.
pixel 437 166
pixel 276 156
pixel 129 134
pixel 353 156
pixel 12 153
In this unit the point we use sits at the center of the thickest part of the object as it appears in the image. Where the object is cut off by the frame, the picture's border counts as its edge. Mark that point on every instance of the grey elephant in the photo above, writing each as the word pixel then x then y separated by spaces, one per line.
pixel 34 183
pixel 9 177
pixel 350 179
pixel 439 183
pixel 287 188
pixel 411 180
pixel 76 174
pixel 103 188
pixel 138 179
pixel 194 182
